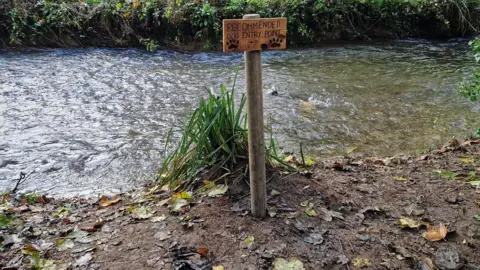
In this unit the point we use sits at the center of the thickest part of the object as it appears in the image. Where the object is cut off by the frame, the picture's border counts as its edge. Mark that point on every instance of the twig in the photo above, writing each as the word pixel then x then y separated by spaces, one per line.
pixel 23 177
pixel 19 180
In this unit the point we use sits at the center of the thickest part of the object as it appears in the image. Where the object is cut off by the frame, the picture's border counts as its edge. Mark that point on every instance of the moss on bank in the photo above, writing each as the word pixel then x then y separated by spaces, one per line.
pixel 119 23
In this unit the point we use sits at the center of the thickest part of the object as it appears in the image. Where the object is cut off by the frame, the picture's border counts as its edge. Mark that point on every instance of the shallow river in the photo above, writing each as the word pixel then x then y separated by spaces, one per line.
pixel 94 121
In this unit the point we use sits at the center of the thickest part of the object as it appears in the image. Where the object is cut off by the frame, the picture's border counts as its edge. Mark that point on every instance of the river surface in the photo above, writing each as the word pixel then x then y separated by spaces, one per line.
pixel 94 121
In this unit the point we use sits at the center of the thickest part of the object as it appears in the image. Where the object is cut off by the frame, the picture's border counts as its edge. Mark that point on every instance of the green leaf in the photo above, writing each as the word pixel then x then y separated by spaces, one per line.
pixel 248 241
pixel 309 162
pixel 182 195
pixel 448 175
pixel 477 217
pixel 310 212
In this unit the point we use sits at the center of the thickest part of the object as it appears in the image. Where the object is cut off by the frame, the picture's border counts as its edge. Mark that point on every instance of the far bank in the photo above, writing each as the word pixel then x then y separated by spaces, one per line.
pixel 197 25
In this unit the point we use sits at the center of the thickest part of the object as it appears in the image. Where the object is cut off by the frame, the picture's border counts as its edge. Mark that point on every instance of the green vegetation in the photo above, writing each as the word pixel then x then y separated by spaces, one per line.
pixel 176 22
pixel 471 87
pixel 214 141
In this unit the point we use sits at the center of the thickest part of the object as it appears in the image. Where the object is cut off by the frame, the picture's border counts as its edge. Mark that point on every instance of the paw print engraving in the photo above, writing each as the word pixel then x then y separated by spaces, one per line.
pixel 232 44
pixel 275 42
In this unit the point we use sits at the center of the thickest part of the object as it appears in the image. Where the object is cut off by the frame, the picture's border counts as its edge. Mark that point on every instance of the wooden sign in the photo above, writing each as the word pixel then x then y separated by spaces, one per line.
pixel 241 35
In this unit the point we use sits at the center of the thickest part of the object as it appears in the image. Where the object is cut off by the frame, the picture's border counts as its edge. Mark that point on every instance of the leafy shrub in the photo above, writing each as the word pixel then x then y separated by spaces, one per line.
pixel 131 22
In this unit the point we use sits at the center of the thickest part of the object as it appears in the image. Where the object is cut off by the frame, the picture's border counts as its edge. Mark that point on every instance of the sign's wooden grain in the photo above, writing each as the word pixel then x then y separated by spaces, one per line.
pixel 241 35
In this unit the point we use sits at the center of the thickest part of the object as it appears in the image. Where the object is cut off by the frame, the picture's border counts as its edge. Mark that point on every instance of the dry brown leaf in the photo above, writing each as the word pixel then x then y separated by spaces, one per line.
pixel 105 201
pixel 203 252
pixel 436 233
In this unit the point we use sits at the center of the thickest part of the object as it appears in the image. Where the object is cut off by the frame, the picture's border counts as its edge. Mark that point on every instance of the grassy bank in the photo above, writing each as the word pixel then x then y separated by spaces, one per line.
pixel 117 23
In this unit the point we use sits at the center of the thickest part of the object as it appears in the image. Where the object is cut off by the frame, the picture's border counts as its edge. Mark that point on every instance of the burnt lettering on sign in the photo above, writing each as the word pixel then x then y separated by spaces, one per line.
pixel 254 34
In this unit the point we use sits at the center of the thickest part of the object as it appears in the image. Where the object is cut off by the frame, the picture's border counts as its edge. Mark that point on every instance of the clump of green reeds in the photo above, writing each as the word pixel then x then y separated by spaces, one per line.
pixel 215 139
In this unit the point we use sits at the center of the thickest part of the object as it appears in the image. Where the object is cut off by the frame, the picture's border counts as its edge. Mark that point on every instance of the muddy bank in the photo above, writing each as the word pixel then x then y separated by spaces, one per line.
pixel 415 212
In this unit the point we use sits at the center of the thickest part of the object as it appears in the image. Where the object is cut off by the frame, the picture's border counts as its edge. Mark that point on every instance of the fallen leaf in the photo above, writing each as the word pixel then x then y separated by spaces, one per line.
pixel 410 223
pixel 218 190
pixel 158 219
pixel 36 209
pixel 104 201
pixel 475 183
pixel 137 4
pixel 21 209
pixel 310 212
pixel 467 160
pixel 351 149
pixel 11 239
pixel 288 158
pixel 448 175
pixel 399 178
pixel 477 217
pixel 218 267
pixel 309 162
pixel 360 262
pixel 291 264
pixel 35 219
pixel 91 227
pixel 203 252
pixel 29 250
pixel 272 211
pixel 248 241
pixel 83 260
pixel 142 212
pixel 274 193
pixel 77 234
pixel 435 233
pixel 178 204
pixel 64 244
pixel 207 185
pixel 182 195
pixel 328 215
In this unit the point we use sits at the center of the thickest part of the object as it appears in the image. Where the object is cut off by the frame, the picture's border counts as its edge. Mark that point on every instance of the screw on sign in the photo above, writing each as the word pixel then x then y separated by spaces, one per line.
pixel 251 35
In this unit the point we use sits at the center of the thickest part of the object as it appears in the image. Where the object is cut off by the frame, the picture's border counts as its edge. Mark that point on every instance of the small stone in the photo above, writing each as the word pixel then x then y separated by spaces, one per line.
pixel 117 243
pixel 452 199
pixel 447 258
pixel 267 256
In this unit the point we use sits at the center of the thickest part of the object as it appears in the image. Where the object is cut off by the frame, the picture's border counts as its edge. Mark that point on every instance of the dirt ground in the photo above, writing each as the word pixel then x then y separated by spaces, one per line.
pixel 343 214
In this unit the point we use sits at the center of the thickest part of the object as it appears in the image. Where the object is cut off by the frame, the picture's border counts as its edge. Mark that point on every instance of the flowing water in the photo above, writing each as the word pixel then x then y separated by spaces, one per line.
pixel 93 121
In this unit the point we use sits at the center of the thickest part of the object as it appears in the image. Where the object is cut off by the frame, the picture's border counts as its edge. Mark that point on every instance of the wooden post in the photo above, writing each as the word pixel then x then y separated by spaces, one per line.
pixel 251 35
pixel 256 141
